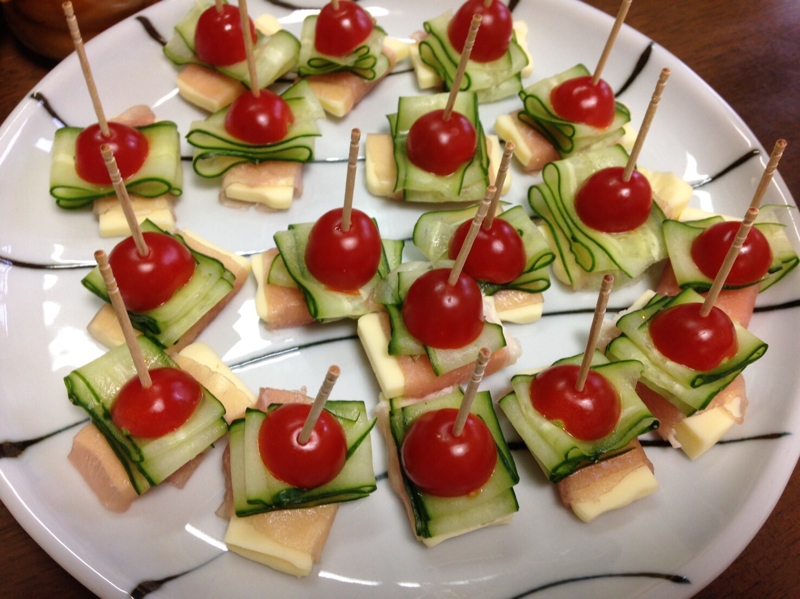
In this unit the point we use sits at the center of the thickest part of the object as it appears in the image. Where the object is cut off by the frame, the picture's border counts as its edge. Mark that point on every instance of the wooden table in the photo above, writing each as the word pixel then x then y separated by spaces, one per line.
pixel 747 50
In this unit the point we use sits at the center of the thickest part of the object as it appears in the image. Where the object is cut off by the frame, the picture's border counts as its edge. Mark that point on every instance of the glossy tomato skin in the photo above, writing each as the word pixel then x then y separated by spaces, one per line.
pixel 343 260
pixel 606 203
pixel 165 406
pixel 497 255
pixel 579 101
pixel 444 465
pixel 146 282
pixel 441 146
pixel 339 32
pixel 589 414
pixel 303 466
pixel 129 145
pixel 444 316
pixel 697 342
pixel 259 120
pixel 218 39
pixel 494 34
pixel 751 265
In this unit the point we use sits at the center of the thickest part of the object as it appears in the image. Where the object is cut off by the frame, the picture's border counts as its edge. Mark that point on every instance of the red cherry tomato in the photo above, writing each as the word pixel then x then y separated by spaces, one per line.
pixel 343 261
pixel 146 282
pixel 443 465
pixel 259 120
pixel 440 146
pixel 494 34
pixel 589 414
pixel 606 203
pixel 697 342
pixel 579 101
pixel 302 466
pixel 441 315
pixel 161 408
pixel 497 255
pixel 339 32
pixel 752 263
pixel 218 39
pixel 129 145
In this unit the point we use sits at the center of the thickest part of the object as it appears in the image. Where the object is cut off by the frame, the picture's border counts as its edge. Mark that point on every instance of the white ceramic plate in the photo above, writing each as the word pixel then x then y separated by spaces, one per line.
pixel 667 545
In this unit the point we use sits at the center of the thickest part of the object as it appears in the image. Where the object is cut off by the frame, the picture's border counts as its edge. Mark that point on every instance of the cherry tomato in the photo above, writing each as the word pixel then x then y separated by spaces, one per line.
pixel 606 203
pixel 343 261
pixel 146 282
pixel 259 120
pixel 443 465
pixel 497 255
pixel 129 145
pixel 441 315
pixel 579 101
pixel 697 342
pixel 711 246
pixel 218 39
pixel 440 146
pixel 161 408
pixel 339 32
pixel 590 414
pixel 494 34
pixel 302 466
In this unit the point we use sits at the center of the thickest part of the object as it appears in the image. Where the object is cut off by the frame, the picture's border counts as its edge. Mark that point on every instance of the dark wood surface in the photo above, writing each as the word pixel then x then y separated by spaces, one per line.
pixel 747 50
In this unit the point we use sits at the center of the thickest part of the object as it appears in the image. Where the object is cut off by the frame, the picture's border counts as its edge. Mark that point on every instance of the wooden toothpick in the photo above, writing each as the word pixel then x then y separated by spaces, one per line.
pixel 499 181
pixel 769 171
pixel 77 40
pixel 319 404
pixel 471 235
pixel 352 161
pixel 124 320
pixel 218 4
pixel 462 65
pixel 648 119
pixel 594 332
pixel 623 11
pixel 471 391
pixel 124 200
pixel 730 258
pixel 248 48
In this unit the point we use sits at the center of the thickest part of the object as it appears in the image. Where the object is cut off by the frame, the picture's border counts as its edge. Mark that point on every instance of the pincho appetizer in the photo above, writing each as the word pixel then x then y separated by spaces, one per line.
pixel 326 270
pixel 567 113
pixel 153 416
pixel 448 460
pixel 581 418
pixel 435 322
pixel 288 466
pixel 209 47
pixel 499 58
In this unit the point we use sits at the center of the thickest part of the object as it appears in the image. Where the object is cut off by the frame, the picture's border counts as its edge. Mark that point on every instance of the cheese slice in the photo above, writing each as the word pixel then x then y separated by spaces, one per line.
pixel 207 88
pixel 638 483
pixel 700 432
pixel 670 191
pixel 112 221
pixel 376 344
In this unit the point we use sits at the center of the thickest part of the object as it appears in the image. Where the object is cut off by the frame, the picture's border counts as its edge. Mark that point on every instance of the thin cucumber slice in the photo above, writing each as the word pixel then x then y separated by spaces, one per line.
pixel 560 454
pixel 160 174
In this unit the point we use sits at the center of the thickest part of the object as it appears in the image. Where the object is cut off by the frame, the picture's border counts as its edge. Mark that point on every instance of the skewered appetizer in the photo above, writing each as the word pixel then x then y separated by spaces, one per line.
pixel 449 485
pixel 195 279
pixel 586 441
pixel 498 60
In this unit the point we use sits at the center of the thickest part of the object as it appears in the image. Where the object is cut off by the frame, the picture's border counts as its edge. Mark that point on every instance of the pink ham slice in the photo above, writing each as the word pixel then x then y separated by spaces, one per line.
pixel 286 306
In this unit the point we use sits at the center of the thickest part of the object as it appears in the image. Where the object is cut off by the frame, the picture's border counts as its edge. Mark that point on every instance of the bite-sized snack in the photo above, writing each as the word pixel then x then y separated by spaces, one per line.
pixel 692 366
pixel 435 159
pixel 449 485
pixel 697 249
pixel 594 429
pixel 597 228
pixel 172 293
pixel 140 437
pixel 213 39
pixel 509 259
pixel 445 347
pixel 259 130
pixel 320 273
pixel 499 58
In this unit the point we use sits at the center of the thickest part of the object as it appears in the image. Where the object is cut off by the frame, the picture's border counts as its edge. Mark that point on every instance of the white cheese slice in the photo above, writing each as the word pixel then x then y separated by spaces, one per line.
pixel 699 432
pixel 257 264
pixel 426 76
pixel 400 48
pixel 206 88
pixel 267 24
pixel 672 193
pixel 112 221
pixel 522 314
pixel 521 31
pixel 507 129
pixel 278 197
pixel 376 344
pixel 195 241
pixel 245 540
pixel 637 484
